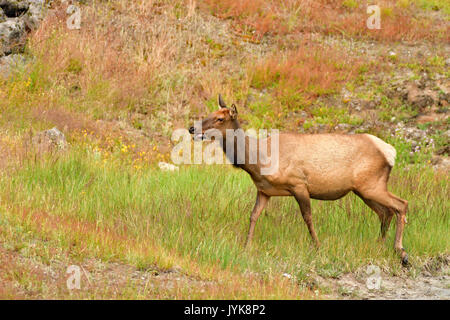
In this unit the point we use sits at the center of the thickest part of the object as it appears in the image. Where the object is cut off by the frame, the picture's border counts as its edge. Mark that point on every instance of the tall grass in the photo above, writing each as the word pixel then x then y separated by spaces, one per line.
pixel 137 70
pixel 201 214
pixel 400 19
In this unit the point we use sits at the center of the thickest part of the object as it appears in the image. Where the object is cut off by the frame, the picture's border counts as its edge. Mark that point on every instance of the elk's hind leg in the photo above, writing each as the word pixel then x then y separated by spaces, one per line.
pixel 301 194
pixel 395 204
pixel 384 214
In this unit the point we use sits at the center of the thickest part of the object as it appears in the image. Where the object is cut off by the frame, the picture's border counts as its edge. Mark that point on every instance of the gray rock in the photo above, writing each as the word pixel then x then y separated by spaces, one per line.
pixel 16 18
pixel 441 163
pixel 35 13
pixel 343 127
pixel 49 141
pixel 14 8
pixel 11 32
pixel 9 63
pixel 356 104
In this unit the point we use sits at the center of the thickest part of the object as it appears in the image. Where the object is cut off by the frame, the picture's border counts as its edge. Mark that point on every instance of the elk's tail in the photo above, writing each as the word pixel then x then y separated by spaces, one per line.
pixel 386 149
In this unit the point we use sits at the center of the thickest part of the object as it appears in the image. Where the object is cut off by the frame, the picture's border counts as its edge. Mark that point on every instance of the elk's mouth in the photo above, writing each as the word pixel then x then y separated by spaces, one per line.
pixel 198 137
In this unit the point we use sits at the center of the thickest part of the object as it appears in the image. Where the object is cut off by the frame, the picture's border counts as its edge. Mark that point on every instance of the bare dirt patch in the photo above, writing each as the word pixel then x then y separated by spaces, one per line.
pixel 433 283
pixel 26 277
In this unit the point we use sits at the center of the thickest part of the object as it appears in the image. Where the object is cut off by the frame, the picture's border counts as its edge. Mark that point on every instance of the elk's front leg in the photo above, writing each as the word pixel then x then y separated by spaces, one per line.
pixel 260 204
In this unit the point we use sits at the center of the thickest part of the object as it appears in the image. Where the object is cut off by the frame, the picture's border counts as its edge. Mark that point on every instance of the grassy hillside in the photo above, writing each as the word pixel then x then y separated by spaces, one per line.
pixel 137 70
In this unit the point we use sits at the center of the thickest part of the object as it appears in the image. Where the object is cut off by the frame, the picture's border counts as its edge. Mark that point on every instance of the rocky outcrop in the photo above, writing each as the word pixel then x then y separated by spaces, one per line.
pixel 421 98
pixel 49 141
pixel 441 163
pixel 11 62
pixel 17 17
pixel 422 93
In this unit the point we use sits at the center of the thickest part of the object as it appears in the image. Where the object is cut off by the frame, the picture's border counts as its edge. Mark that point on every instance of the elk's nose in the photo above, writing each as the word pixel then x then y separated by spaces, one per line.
pixel 191 130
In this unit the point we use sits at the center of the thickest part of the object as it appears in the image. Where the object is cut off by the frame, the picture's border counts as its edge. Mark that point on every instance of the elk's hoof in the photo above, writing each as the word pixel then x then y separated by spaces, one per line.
pixel 405 260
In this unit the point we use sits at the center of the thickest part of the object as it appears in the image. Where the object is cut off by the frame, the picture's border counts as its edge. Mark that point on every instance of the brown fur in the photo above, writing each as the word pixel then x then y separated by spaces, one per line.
pixel 325 167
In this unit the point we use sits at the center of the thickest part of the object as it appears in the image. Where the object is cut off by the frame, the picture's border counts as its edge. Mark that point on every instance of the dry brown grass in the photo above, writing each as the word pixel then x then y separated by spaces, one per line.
pixel 131 61
pixel 97 57
pixel 329 17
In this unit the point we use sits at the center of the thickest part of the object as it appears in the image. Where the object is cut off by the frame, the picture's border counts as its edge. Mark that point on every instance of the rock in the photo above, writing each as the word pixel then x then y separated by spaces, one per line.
pixel 444 91
pixel 35 13
pixel 441 163
pixel 421 98
pixel 447 134
pixel 417 137
pixel 11 32
pixel 8 63
pixel 444 150
pixel 14 8
pixel 164 166
pixel 49 141
pixel 16 18
pixel 356 104
pixel 346 95
pixel 343 127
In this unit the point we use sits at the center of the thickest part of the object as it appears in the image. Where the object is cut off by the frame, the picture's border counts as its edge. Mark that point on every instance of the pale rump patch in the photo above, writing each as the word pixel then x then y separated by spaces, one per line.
pixel 385 148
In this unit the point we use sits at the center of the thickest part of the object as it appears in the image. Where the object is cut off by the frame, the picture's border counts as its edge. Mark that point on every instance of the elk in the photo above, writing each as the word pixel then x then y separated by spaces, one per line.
pixel 317 166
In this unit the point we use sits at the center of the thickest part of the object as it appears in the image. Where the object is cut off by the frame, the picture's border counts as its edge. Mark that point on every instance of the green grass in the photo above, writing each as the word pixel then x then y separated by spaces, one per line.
pixel 332 116
pixel 105 200
pixel 201 214
pixel 442 5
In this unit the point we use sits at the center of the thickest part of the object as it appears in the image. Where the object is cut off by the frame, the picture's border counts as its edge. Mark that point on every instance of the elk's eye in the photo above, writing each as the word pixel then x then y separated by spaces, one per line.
pixel 220 119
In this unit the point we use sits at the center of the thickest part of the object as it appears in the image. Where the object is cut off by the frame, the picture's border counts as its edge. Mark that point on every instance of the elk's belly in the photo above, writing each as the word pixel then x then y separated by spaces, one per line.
pixel 321 187
pixel 328 190
pixel 331 195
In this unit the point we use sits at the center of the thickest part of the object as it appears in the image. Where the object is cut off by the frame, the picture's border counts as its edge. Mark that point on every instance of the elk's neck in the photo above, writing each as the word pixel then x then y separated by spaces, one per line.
pixel 241 149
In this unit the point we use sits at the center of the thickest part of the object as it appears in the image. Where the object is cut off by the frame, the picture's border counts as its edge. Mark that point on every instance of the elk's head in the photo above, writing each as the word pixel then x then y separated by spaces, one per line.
pixel 221 120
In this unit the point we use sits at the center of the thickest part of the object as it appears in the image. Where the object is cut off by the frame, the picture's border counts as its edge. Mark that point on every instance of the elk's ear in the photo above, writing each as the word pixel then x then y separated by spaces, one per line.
pixel 233 111
pixel 221 102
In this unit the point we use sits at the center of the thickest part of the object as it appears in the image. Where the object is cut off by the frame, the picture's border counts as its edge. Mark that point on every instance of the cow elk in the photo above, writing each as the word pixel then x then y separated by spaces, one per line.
pixel 317 166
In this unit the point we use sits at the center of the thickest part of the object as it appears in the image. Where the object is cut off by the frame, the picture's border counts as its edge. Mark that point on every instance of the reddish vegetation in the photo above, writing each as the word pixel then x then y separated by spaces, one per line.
pixel 77 231
pixel 328 17
pixel 311 70
pixel 8 289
